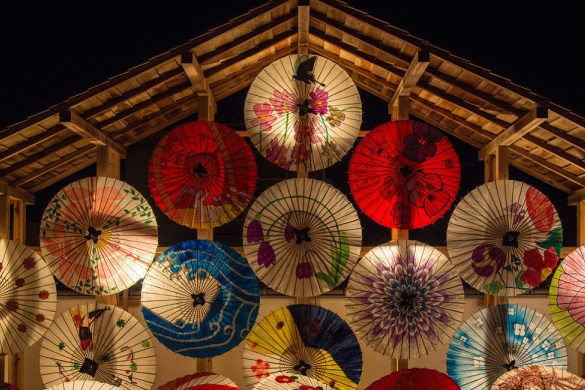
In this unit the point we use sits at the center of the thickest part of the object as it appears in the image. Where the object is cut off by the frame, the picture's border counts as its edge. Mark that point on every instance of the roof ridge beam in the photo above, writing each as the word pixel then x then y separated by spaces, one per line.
pixel 303 17
pixel 195 74
pixel 80 126
pixel 413 73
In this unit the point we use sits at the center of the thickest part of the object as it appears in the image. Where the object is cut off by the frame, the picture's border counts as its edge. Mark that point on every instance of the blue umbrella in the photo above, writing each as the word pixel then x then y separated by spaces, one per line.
pixel 200 298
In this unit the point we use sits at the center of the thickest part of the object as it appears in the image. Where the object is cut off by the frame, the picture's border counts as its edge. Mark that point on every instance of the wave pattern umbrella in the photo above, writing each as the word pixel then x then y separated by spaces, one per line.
pixel 538 378
pixel 96 342
pixel 504 237
pixel 98 235
pixel 202 174
pixel 404 299
pixel 566 300
pixel 200 298
pixel 404 174
pixel 290 381
pixel 302 237
pixel 83 385
pixel 28 297
pixel 415 379
pixel 306 340
pixel 499 339
pixel 200 381
pixel 303 112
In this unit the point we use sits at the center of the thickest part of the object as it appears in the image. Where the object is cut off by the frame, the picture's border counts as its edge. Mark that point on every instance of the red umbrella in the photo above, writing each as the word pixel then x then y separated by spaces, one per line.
pixel 202 174
pixel 404 174
pixel 415 378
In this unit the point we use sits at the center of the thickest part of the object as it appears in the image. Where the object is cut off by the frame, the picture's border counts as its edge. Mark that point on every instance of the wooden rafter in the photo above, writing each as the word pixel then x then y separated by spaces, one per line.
pixel 207 105
pixel 17 193
pixel 576 197
pixel 303 15
pixel 95 136
pixel 413 73
pixel 60 176
pixel 556 151
pixel 32 142
pixel 551 167
pixel 576 142
pixel 524 125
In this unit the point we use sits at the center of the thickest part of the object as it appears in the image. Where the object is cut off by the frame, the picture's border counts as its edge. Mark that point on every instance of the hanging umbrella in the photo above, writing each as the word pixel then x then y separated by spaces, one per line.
pixel 404 174
pixel 200 298
pixel 101 343
pixel 82 385
pixel 202 174
pixel 200 381
pixel 415 379
pixel 28 297
pixel 538 378
pixel 566 300
pixel 7 386
pixel 404 299
pixel 98 235
pixel 502 338
pixel 290 381
pixel 302 237
pixel 303 111
pixel 307 340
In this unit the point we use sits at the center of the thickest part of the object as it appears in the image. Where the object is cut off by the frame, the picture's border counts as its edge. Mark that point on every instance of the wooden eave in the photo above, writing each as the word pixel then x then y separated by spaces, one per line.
pixel 462 99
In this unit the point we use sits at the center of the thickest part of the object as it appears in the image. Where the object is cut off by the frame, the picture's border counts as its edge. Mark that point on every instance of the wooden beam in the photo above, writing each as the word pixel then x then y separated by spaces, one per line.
pixel 576 197
pixel 195 74
pixel 4 216
pixel 107 162
pixel 303 15
pixel 32 142
pixel 576 142
pixel 80 126
pixel 545 164
pixel 523 125
pixel 76 168
pixel 496 166
pixel 413 74
pixel 556 151
pixel 17 193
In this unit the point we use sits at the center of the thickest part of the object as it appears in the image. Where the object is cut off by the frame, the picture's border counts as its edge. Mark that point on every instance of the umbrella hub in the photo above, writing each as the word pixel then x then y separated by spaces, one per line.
pixel 200 171
pixel 302 367
pixel 408 300
pixel 511 239
pixel 510 366
pixel 302 235
pixel 198 299
pixel 89 367
pixel 93 234
pixel 405 171
pixel 304 108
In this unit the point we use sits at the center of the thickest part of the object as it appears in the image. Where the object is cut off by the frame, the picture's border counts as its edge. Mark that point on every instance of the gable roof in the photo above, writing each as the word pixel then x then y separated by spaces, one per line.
pixel 458 97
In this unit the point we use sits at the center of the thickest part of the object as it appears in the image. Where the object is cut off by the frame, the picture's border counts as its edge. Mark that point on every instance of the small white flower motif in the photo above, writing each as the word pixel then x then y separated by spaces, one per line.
pixel 478 321
pixel 511 311
pixel 525 340
pixel 545 345
pixel 551 355
pixel 479 361
pixel 519 329
pixel 463 339
pixel 534 358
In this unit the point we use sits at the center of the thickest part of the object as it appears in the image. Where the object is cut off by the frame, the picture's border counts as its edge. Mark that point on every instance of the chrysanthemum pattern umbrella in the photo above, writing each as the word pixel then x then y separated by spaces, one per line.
pixel 28 297
pixel 504 237
pixel 404 299
pixel 566 299
pixel 302 237
pixel 98 235
pixel 303 112
pixel 82 385
pixel 200 298
pixel 502 338
pixel 307 340
pixel 200 381
pixel 101 343
pixel 538 378
pixel 404 174
pixel 290 381
pixel 415 379
pixel 202 174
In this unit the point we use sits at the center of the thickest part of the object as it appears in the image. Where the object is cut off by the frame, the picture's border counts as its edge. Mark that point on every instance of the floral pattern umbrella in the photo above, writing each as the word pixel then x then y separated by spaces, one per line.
pixel 82 385
pixel 404 299
pixel 306 340
pixel 504 237
pixel 404 174
pixel 415 379
pixel 96 342
pixel 98 235
pixel 202 174
pixel 200 298
pixel 566 300
pixel 28 297
pixel 290 381
pixel 498 339
pixel 200 381
pixel 302 237
pixel 303 112
pixel 538 378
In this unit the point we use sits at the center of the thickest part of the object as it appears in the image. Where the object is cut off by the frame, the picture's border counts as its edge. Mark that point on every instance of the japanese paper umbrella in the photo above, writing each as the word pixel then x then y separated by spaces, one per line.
pixel 202 174
pixel 7 386
pixel 200 381
pixel 28 297
pixel 504 237
pixel 404 299
pixel 200 298
pixel 290 381
pixel 302 237
pixel 98 235
pixel 538 378
pixel 303 112
pixel 404 174
pixel 307 340
pixel 96 342
pixel 415 379
pixel 82 385
pixel 566 299
pixel 498 339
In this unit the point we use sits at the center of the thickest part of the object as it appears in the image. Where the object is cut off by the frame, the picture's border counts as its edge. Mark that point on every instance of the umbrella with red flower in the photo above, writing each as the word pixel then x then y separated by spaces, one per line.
pixel 28 297
pixel 202 174
pixel 200 381
pixel 538 378
pixel 415 379
pixel 404 174
pixel 7 386
pixel 303 112
pixel 504 237
pixel 98 235
pixel 307 340
pixel 290 381
pixel 302 237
